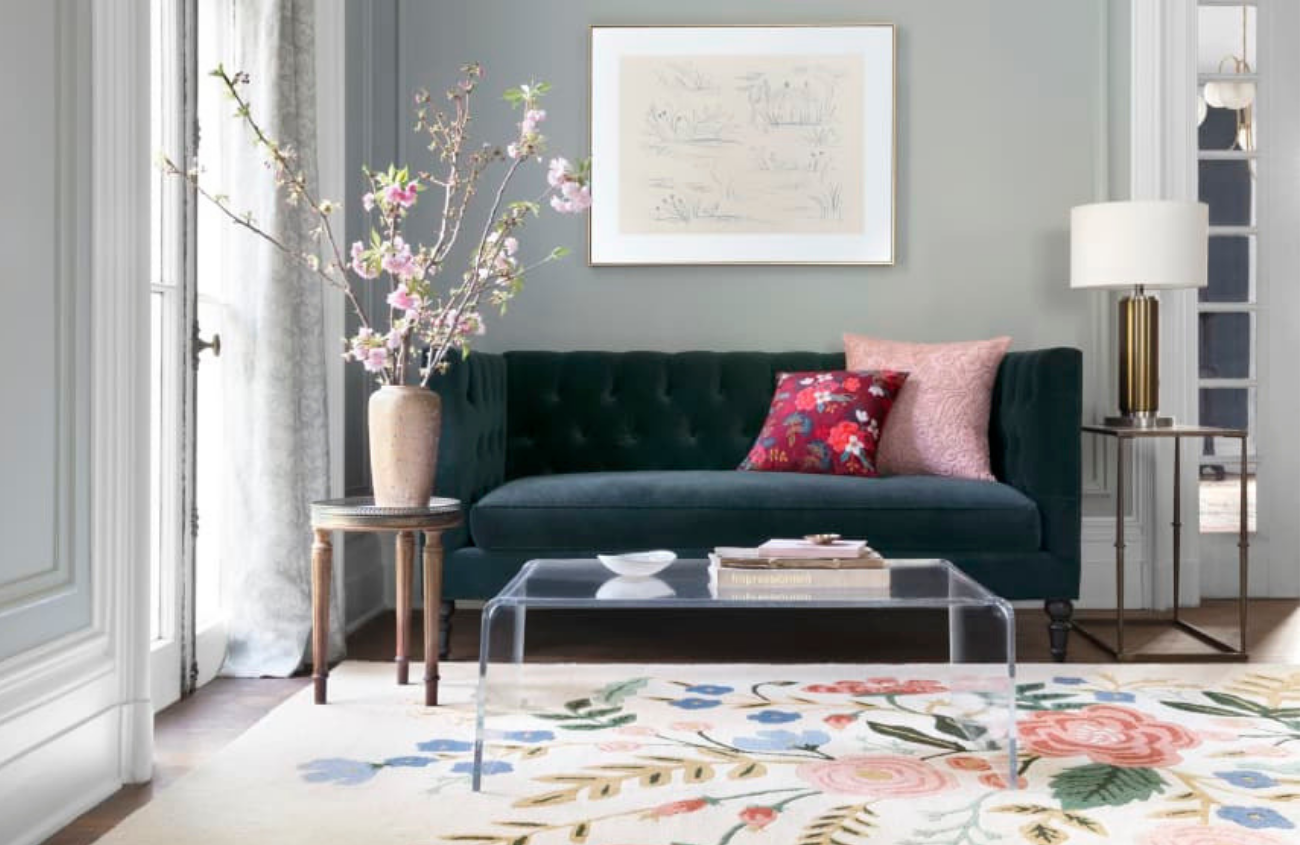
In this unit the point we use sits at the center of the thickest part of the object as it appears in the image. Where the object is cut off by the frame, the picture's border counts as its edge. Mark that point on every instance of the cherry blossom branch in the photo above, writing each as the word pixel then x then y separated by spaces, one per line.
pixel 246 221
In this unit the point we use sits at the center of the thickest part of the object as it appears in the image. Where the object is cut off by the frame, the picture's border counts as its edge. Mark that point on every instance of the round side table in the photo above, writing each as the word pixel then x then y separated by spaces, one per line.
pixel 361 514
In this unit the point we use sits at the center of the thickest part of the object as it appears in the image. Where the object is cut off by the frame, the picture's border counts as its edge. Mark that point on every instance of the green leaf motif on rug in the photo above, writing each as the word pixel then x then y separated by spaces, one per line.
pixel 914 736
pixel 616 692
pixel 601 711
pixel 1103 785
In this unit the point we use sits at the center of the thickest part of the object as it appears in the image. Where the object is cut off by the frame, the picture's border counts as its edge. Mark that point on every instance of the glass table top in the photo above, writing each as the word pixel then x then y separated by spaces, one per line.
pixel 687 582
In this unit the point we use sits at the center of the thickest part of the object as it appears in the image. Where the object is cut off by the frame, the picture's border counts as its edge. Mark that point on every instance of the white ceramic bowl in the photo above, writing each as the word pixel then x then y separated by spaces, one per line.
pixel 638 564
pixel 634 589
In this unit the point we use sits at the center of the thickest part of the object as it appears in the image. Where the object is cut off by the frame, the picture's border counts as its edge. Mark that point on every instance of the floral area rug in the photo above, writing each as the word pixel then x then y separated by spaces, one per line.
pixel 732 755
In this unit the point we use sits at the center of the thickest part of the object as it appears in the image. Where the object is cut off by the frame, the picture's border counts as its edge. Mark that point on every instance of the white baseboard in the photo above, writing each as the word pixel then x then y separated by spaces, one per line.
pixel 47 788
pixel 1097 558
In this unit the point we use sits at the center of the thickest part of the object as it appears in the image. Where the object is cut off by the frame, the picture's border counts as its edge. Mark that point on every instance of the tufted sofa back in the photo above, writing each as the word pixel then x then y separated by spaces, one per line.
pixel 534 413
pixel 606 411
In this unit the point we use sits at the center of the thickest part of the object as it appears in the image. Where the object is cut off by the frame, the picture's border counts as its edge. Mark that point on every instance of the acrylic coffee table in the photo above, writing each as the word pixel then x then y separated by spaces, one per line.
pixel 981 632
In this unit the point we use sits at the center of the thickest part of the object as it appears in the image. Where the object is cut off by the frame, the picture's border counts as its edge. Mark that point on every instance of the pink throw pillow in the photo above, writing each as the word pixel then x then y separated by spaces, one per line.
pixel 940 423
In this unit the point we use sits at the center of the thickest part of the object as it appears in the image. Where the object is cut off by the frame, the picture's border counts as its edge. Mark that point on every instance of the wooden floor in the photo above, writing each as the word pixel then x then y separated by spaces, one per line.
pixel 192 730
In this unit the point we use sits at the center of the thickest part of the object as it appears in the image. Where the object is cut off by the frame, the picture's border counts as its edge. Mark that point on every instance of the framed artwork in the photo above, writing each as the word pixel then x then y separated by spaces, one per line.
pixel 742 145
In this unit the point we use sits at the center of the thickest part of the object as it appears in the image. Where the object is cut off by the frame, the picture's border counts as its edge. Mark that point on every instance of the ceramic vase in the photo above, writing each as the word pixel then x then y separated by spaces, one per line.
pixel 405 426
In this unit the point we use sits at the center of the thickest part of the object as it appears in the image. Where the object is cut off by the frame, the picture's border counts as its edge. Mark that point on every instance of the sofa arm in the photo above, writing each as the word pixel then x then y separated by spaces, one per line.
pixel 1034 440
pixel 472 454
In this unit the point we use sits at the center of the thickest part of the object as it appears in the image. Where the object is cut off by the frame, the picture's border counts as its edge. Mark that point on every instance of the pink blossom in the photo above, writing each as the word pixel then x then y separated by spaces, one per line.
pixel 405 197
pixel 397 259
pixel 504 264
pixel 368 201
pixel 511 245
pixel 532 117
pixel 557 172
pixel 577 200
pixel 376 359
pixel 360 265
pixel 472 323
pixel 402 299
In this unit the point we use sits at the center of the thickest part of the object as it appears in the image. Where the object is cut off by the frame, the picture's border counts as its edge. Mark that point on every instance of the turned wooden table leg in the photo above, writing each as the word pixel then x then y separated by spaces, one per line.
pixel 405 568
pixel 322 565
pixel 432 601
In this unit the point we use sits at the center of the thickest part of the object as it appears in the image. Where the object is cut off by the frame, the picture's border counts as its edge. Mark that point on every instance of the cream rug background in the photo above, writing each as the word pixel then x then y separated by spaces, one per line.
pixel 820 755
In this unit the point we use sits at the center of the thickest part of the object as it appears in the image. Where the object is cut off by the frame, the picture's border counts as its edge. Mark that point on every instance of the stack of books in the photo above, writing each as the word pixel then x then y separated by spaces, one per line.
pixel 795 570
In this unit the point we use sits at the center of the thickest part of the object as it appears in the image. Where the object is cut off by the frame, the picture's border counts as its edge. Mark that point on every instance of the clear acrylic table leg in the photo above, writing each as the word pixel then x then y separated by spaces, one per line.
pixel 501 653
pixel 982 657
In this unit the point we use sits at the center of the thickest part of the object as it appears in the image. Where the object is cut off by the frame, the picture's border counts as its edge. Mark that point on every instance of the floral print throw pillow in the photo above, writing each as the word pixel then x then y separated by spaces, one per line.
pixel 828 423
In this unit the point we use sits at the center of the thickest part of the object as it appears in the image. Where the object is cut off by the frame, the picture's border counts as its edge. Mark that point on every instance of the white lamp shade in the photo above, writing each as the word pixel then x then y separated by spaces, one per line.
pixel 1155 244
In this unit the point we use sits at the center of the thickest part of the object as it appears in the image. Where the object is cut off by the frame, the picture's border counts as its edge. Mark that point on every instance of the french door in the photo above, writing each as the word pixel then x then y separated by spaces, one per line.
pixel 185 380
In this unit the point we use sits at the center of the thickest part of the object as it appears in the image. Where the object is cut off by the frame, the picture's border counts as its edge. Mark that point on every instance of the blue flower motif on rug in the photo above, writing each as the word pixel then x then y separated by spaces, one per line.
pixel 782 740
pixel 1247 779
pixel 490 767
pixel 410 762
pixel 454 746
pixel 338 770
pixel 710 689
pixel 1115 697
pixel 695 703
pixel 1255 818
pixel 773 717
pixel 529 736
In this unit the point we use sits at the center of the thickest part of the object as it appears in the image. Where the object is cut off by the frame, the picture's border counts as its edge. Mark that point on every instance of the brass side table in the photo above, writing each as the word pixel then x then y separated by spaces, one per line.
pixel 361 514
pixel 1222 651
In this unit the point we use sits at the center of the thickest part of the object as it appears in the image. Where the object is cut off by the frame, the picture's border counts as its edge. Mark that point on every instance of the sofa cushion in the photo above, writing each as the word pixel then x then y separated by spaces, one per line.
pixel 825 422
pixel 695 509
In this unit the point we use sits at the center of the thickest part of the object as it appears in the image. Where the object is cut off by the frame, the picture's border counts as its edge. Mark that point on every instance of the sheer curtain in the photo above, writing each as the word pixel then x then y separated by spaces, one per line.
pixel 277 452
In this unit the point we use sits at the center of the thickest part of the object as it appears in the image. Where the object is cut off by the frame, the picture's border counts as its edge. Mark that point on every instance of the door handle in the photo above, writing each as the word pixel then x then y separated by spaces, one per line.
pixel 201 345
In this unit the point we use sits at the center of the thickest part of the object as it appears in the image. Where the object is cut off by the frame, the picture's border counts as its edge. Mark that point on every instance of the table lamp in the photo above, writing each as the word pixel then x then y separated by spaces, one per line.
pixel 1143 245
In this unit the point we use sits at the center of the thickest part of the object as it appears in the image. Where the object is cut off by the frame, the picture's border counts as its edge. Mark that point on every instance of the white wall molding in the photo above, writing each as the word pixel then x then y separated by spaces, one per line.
pixel 1098 364
pixel 1275 549
pixel 1097 589
pixel 1161 164
pixel 120 167
pixel 75 716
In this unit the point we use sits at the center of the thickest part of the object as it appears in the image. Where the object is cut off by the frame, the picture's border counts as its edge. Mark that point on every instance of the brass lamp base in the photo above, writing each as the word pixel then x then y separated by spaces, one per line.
pixel 1139 421
pixel 1139 363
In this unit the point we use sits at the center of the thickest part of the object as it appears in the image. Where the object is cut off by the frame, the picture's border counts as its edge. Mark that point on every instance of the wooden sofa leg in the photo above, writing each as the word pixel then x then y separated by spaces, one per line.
pixel 1059 612
pixel 444 629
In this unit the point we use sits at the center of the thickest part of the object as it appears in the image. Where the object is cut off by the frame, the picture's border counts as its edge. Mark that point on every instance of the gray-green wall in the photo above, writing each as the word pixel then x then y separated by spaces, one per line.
pixel 1009 113
pixel 1002 109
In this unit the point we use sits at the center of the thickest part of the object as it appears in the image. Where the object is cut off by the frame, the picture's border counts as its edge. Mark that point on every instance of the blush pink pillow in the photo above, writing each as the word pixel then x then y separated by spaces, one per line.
pixel 940 423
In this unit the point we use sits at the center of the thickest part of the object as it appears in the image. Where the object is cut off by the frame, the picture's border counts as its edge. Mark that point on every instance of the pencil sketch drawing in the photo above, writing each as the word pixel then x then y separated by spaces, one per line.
pixel 741 144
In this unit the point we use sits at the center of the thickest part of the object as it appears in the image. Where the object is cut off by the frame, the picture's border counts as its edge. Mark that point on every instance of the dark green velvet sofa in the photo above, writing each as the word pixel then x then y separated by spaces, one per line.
pixel 572 453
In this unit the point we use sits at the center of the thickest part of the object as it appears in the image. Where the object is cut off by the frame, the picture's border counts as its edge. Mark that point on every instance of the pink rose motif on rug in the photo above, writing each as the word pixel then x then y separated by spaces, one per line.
pixel 1105 733
pixel 1195 834
pixel 878 686
pixel 877 776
